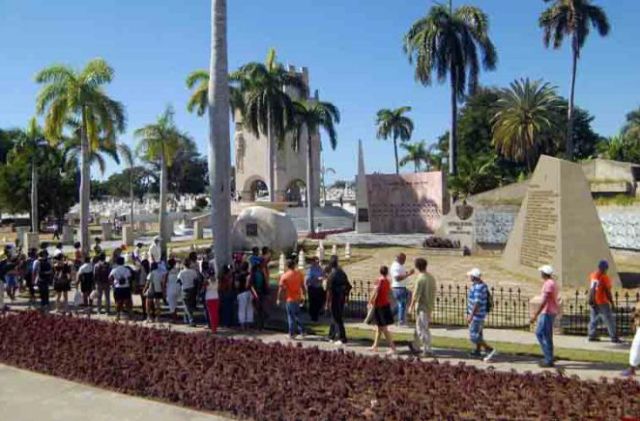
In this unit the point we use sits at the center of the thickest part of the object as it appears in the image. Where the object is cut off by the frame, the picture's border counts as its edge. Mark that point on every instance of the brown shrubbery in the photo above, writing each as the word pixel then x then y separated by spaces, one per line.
pixel 280 382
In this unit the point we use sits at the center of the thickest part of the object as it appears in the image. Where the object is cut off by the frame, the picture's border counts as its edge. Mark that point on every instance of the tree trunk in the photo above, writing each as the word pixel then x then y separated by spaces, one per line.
pixel 131 198
pixel 165 235
pixel 310 182
pixel 574 69
pixel 453 133
pixel 395 152
pixel 219 137
pixel 85 188
pixel 34 197
pixel 271 159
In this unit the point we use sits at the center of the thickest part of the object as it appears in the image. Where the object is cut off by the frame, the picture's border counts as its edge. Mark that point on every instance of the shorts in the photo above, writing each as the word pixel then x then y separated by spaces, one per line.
pixel 86 286
pixel 11 280
pixel 475 331
pixel 62 286
pixel 122 294
pixel 383 316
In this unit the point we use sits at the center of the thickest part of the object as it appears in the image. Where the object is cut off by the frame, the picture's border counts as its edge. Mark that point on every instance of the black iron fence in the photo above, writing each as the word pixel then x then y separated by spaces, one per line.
pixel 576 313
pixel 510 308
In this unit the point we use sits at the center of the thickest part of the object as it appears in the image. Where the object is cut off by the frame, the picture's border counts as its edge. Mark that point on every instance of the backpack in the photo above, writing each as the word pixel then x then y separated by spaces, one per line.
pixel 489 300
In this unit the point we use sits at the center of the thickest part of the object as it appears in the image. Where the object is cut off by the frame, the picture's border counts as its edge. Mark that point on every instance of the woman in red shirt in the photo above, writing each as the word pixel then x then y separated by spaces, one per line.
pixel 382 310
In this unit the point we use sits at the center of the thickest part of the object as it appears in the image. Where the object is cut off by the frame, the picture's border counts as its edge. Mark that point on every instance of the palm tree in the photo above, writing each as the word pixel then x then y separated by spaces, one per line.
pixel 160 142
pixel 268 108
pixel 323 173
pixel 130 160
pixel 80 95
pixel 476 174
pixel 309 118
pixel 219 136
pixel 396 125
pixel 32 143
pixel 447 42
pixel 572 18
pixel 417 154
pixel 524 112
pixel 198 82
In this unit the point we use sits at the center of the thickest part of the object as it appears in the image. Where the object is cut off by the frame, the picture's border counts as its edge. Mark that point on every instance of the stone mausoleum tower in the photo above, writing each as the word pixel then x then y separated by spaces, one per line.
pixel 252 162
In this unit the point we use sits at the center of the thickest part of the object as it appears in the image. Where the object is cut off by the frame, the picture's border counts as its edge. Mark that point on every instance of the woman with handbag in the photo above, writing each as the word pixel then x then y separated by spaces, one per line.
pixel 381 306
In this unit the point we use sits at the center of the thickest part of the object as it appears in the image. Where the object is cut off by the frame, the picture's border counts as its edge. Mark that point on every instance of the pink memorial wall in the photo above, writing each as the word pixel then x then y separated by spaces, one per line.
pixel 406 203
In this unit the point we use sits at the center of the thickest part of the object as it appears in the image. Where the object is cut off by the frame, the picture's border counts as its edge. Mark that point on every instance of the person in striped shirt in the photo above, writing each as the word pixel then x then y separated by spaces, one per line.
pixel 477 306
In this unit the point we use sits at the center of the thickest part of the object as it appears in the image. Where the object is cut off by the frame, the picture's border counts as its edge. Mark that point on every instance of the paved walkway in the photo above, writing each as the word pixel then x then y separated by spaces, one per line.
pixel 25 395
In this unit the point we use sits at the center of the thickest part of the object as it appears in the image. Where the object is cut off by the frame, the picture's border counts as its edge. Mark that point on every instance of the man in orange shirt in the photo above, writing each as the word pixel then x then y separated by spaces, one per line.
pixel 292 285
pixel 601 303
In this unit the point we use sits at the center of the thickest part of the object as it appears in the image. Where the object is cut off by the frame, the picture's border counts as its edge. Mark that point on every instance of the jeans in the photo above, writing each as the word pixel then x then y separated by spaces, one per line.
pixel 401 295
pixel 602 311
pixel 544 333
pixel 227 304
pixel 43 288
pixel 104 289
pixel 293 318
pixel 337 322
pixel 189 297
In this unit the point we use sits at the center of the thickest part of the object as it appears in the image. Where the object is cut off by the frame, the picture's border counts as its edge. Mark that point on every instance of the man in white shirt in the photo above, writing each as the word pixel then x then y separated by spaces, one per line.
pixel 120 277
pixel 399 282
pixel 155 252
pixel 187 279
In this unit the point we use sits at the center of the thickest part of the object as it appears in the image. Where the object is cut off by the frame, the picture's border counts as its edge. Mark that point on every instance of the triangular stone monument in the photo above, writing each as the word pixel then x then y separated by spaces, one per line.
pixel 558 224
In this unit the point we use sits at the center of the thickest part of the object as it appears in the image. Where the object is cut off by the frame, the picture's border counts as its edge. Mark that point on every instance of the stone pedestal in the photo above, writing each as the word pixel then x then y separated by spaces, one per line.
pixel 31 240
pixel 106 231
pixel 67 235
pixel 534 305
pixel 198 230
pixel 128 235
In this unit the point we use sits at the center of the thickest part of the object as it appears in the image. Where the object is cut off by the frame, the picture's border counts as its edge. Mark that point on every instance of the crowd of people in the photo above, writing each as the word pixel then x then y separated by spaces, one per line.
pixel 239 294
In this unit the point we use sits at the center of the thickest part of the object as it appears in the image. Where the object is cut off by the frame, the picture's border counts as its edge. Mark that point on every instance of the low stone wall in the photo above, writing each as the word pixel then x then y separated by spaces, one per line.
pixel 621 225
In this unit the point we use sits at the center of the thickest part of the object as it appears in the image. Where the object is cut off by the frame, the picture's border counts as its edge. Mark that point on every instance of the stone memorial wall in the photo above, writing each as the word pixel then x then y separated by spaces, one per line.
pixel 405 203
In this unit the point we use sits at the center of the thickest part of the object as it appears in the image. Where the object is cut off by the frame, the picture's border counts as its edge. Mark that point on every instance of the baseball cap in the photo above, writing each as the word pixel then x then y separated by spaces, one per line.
pixel 475 273
pixel 603 264
pixel 546 269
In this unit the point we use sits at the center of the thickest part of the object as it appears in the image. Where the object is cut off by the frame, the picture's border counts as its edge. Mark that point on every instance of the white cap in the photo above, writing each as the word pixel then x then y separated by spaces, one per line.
pixel 475 273
pixel 546 269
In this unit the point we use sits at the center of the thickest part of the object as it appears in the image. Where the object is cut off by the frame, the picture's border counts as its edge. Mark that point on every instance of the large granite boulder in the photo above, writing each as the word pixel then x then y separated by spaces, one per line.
pixel 258 226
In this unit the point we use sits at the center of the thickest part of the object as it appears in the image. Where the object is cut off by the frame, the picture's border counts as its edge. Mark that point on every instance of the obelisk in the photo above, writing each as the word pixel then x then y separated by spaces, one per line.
pixel 363 225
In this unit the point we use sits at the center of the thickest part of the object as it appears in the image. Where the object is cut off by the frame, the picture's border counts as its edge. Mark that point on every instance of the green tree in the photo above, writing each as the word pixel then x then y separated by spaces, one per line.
pixel 68 94
pixel 396 125
pixel 631 128
pixel 267 105
pixel 572 18
pixel 417 153
pixel 475 176
pixel 198 82
pixel 31 143
pixel 309 118
pixel 448 41
pixel 524 111
pixel 160 141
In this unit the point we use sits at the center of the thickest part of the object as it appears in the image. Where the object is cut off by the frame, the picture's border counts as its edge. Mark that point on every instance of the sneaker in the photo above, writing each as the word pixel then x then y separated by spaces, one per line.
pixel 292 337
pixel 490 355
pixel 544 364
pixel 339 343
pixel 616 341
pixel 629 372
pixel 392 352
pixel 475 354
pixel 594 339
pixel 413 349
pixel 303 336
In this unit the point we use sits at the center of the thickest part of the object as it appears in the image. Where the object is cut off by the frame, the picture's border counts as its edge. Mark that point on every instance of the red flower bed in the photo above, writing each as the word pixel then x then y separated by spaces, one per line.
pixel 278 382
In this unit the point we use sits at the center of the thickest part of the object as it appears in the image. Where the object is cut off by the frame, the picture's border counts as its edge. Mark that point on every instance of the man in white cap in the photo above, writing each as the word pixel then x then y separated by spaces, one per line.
pixel 477 310
pixel 546 315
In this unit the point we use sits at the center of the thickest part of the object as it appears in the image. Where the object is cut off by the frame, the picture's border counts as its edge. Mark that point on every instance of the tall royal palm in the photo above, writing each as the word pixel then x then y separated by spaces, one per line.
pixel 448 42
pixel 219 136
pixel 524 112
pixel 68 94
pixel 396 125
pixel 572 18
pixel 309 117
pixel 31 142
pixel 198 82
pixel 268 108
pixel 160 142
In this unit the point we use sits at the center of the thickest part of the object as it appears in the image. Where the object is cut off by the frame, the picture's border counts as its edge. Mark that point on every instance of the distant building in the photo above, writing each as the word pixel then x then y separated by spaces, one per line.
pixel 252 162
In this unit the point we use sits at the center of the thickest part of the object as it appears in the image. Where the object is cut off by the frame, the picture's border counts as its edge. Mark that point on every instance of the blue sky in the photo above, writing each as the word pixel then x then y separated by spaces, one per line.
pixel 352 48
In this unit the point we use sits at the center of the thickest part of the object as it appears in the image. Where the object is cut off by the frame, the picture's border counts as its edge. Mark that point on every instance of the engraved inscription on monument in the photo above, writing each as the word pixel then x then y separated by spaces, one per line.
pixel 540 228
